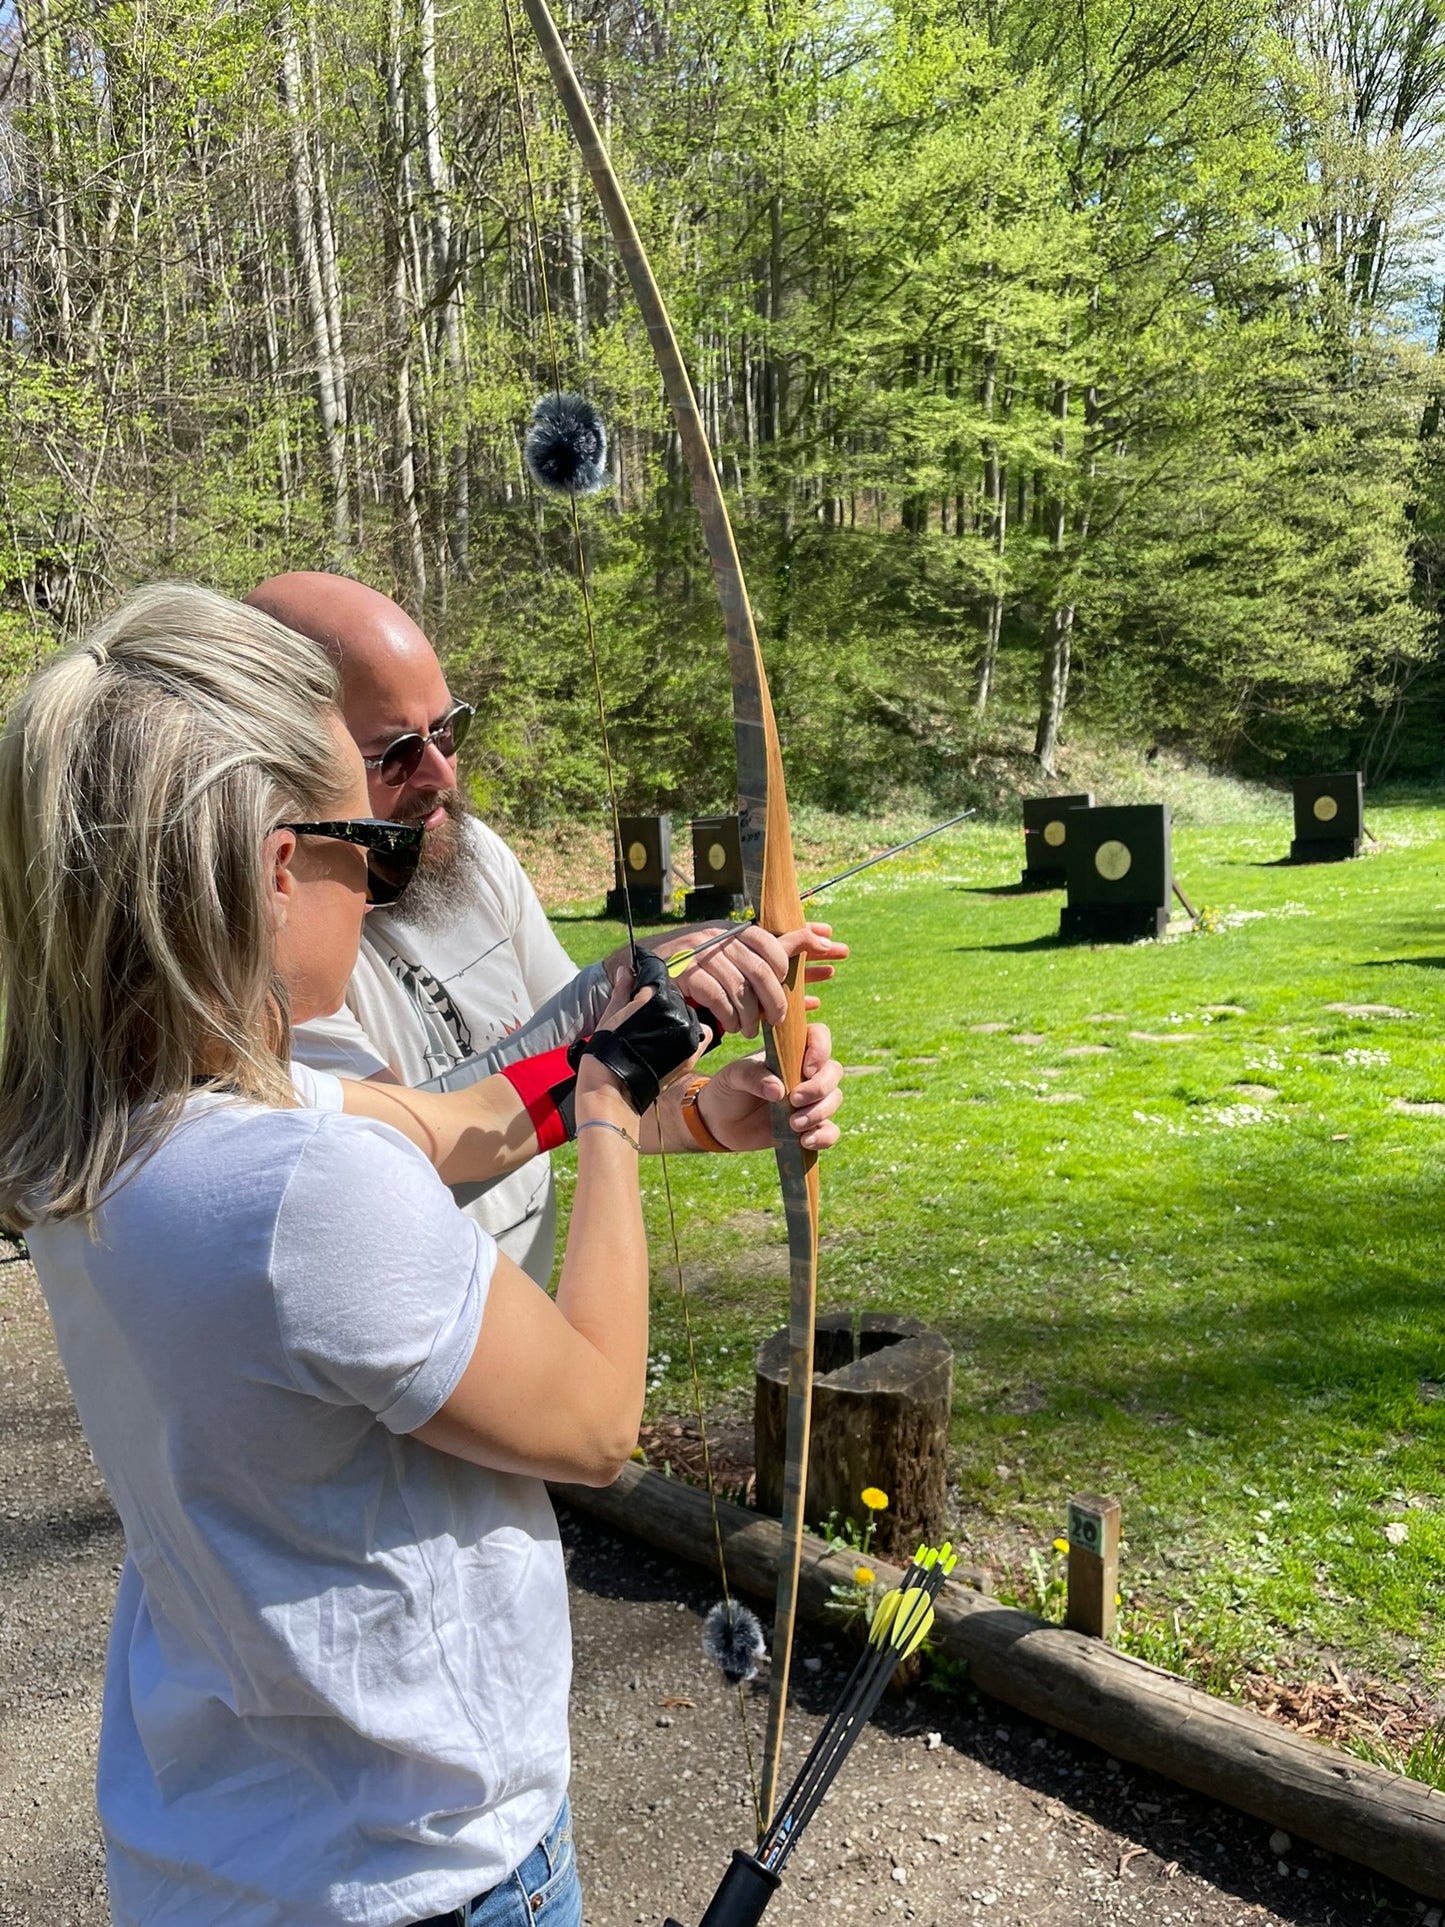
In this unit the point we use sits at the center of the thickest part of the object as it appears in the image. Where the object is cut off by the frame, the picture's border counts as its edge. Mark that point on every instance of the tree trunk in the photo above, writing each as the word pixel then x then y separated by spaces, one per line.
pixel 412 559
pixel 447 278
pixel 330 379
pixel 1054 685
pixel 995 495
pixel 1058 635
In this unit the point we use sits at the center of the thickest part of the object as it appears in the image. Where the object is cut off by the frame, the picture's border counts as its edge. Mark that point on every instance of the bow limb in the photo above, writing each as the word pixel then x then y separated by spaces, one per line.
pixel 767 849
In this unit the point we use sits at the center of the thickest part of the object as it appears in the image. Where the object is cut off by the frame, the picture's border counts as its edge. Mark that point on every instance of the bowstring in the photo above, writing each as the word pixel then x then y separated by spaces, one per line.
pixel 578 545
pixel 584 585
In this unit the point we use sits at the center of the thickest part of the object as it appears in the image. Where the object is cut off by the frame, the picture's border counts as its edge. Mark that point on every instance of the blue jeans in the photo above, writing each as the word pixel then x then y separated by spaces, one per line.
pixel 543 1892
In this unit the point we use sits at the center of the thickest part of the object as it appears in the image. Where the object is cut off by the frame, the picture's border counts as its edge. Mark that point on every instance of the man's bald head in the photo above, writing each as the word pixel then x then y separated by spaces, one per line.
pixel 379 650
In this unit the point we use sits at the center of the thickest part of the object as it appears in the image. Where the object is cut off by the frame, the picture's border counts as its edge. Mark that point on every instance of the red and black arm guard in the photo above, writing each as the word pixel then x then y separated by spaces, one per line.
pixel 547 1086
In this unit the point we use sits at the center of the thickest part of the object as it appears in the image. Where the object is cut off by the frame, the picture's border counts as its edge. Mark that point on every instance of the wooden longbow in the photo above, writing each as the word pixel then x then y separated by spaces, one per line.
pixel 767 850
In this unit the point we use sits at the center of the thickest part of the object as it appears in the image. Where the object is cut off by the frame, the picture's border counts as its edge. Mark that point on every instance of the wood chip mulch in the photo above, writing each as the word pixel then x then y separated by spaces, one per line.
pixel 1343 1709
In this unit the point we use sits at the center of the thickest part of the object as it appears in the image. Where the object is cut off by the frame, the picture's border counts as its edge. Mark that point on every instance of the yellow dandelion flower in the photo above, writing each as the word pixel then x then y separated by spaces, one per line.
pixel 639 1457
pixel 864 1576
pixel 875 1500
pixel 1061 1545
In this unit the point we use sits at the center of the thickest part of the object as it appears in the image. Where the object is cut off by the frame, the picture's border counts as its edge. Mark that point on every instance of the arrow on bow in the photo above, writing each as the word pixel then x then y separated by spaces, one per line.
pixel 767 852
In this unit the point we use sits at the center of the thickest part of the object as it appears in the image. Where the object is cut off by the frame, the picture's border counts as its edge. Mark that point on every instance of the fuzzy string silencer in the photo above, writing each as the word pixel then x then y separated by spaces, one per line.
pixel 565 447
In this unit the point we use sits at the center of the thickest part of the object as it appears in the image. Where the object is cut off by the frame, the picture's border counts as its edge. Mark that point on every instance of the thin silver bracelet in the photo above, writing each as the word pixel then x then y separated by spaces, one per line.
pixel 602 1124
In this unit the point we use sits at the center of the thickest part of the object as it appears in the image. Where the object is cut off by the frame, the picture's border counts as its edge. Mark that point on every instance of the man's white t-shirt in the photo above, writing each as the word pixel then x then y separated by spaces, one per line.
pixel 481 988
pixel 336 1688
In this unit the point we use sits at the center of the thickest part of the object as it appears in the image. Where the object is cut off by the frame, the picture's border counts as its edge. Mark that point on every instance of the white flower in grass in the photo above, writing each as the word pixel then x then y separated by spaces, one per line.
pixel 1397 1532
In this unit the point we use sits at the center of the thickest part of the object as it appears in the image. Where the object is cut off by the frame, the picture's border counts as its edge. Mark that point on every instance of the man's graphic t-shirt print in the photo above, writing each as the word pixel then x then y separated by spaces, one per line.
pixel 448 1038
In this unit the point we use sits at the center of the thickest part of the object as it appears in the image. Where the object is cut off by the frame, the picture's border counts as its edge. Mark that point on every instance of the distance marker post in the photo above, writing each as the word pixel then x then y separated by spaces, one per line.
pixel 1093 1536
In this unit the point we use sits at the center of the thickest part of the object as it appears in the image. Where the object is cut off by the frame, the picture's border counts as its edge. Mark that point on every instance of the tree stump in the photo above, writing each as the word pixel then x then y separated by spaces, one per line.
pixel 882 1394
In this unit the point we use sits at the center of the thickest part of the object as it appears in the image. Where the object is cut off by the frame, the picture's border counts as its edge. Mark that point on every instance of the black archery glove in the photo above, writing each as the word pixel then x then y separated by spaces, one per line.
pixel 649 1045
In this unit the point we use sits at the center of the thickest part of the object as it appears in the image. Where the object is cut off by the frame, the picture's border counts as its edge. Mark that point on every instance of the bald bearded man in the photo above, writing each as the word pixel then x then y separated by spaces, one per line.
pixel 467 976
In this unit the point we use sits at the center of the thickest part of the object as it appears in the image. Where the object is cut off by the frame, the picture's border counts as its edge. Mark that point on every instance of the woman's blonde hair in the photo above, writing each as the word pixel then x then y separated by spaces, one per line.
pixel 139 778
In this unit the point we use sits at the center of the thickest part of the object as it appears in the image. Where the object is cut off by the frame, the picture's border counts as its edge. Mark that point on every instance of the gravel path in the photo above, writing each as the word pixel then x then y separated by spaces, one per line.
pixel 949 1810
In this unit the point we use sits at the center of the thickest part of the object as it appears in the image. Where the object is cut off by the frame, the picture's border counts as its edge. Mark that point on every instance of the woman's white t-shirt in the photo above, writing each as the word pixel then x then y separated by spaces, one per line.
pixel 336 1689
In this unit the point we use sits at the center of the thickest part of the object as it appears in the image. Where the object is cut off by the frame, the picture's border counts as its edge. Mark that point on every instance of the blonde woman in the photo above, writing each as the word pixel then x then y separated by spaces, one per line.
pixel 324 1405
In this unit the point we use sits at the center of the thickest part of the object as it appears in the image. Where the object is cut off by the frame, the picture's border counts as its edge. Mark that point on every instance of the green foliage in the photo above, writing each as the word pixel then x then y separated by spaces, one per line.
pixel 1424 1760
pixel 1092 322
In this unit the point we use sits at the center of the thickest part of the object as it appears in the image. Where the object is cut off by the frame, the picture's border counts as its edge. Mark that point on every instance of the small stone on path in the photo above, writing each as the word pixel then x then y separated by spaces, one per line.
pixel 1027 1037
pixel 1087 1050
pixel 1279 1843
pixel 1164 1036
pixel 1431 1109
pixel 864 1070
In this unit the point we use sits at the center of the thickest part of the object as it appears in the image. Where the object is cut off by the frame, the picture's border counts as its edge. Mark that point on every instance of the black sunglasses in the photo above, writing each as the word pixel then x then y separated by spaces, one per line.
pixel 400 760
pixel 393 850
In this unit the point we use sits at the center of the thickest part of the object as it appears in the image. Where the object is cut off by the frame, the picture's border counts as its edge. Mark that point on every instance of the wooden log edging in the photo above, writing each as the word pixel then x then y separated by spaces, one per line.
pixel 1132 1710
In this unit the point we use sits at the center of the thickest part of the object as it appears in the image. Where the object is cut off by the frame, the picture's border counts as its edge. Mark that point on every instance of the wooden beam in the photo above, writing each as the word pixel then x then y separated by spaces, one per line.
pixel 1134 1711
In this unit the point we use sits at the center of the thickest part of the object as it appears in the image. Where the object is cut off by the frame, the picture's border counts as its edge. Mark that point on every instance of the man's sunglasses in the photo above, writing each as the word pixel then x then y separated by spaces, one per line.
pixel 393 850
pixel 400 760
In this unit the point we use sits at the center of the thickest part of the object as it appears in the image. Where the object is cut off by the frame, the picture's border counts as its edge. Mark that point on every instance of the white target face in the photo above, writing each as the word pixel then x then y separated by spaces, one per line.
pixel 637 856
pixel 1054 833
pixel 717 857
pixel 1326 809
pixel 1113 861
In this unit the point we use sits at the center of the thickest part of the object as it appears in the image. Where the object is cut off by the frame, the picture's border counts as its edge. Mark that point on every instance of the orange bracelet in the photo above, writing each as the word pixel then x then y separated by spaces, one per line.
pixel 693 1119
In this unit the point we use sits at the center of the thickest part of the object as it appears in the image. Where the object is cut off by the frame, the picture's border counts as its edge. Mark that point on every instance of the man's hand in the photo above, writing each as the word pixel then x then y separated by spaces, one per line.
pixel 734 1103
pixel 738 985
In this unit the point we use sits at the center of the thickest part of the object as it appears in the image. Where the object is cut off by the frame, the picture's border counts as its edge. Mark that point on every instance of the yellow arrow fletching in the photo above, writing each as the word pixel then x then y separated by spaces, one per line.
pixel 902 1620
pixel 883 1616
pixel 914 1624
pixel 678 963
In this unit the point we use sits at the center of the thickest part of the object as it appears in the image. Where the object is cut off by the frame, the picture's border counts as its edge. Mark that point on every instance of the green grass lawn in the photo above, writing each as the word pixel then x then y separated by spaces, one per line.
pixel 1164 1203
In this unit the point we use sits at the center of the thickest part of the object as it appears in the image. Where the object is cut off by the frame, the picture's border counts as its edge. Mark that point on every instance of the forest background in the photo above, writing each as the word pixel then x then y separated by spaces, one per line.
pixel 1073 365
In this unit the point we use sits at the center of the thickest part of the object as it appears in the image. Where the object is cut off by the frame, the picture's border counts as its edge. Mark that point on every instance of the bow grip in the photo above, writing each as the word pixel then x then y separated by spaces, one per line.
pixel 743 1893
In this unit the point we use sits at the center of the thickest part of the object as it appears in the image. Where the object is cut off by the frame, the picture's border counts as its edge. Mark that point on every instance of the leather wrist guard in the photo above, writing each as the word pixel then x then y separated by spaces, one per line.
pixel 651 1043
pixel 547 1086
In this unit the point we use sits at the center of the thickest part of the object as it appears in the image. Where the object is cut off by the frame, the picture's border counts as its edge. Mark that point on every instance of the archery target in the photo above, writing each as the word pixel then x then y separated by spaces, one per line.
pixel 1113 860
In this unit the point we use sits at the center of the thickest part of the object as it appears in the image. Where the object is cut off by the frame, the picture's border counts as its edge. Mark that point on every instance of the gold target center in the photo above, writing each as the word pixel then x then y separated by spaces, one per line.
pixel 717 857
pixel 1113 861
pixel 1054 833
pixel 1326 809
pixel 637 856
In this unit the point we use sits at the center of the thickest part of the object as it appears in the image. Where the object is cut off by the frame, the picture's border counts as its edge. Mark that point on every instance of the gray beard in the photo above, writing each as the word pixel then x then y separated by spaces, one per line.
pixel 443 885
